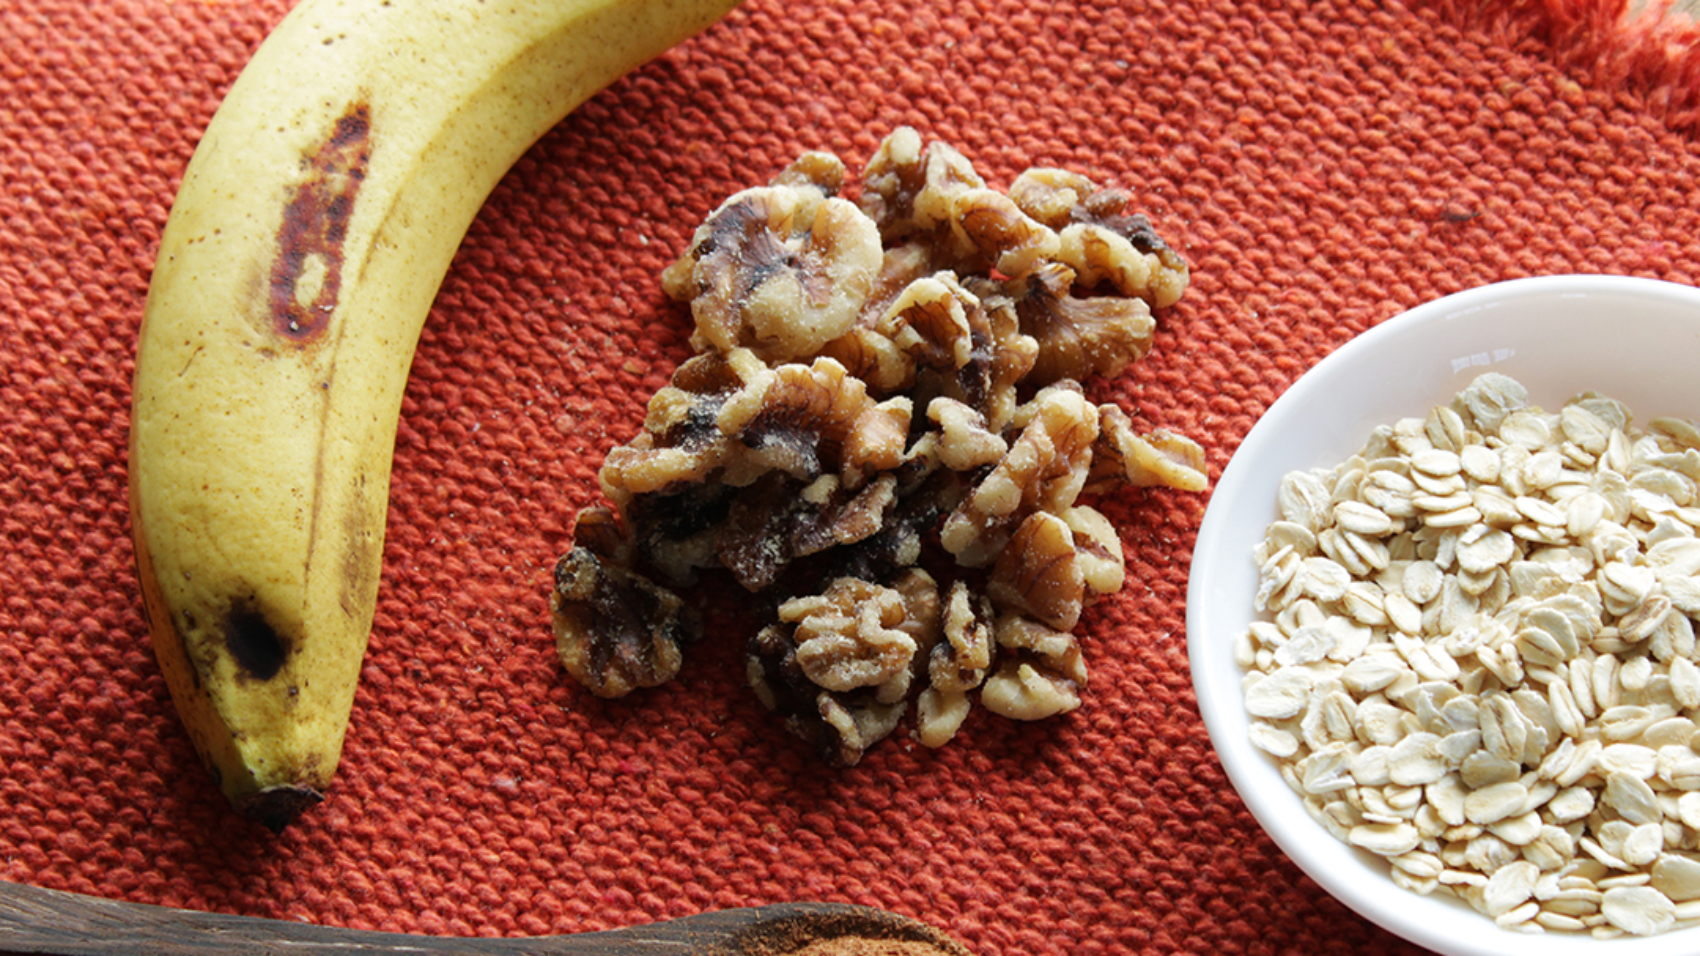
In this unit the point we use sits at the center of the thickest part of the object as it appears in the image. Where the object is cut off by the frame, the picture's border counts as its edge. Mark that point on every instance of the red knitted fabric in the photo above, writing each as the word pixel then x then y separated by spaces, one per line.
pixel 1322 165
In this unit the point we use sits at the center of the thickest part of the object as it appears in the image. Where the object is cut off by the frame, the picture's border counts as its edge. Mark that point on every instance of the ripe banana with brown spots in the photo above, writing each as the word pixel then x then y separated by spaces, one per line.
pixel 307 241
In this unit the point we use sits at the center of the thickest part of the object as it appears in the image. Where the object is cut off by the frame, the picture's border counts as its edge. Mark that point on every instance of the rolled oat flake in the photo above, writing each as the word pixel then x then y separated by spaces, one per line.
pixel 1477 658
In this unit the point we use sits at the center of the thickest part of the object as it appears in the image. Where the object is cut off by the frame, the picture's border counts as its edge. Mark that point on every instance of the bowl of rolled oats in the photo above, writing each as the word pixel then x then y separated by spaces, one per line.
pixel 1442 619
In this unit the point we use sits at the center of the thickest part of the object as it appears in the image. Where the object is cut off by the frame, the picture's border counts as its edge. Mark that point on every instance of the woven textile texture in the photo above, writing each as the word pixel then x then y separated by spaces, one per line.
pixel 1322 165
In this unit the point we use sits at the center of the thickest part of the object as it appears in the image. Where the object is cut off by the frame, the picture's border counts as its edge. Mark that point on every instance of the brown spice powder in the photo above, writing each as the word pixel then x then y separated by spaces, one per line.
pixel 864 946
pixel 856 931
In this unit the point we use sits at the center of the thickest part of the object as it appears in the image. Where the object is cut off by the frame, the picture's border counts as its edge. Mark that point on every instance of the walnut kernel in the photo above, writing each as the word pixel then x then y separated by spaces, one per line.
pixel 849 636
pixel 616 631
pixel 780 270
pixel 884 380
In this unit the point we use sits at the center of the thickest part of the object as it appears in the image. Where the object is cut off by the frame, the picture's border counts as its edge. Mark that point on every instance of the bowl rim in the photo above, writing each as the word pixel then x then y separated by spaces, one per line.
pixel 1289 826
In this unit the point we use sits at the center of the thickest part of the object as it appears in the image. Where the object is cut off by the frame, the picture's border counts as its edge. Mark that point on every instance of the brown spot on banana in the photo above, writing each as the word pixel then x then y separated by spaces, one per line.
pixel 306 277
pixel 362 558
pixel 255 646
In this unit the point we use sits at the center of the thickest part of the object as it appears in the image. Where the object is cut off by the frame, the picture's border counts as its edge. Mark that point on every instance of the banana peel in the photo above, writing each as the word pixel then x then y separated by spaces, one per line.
pixel 312 229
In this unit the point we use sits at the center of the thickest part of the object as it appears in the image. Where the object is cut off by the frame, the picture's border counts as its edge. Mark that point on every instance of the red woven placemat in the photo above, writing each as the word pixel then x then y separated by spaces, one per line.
pixel 1321 165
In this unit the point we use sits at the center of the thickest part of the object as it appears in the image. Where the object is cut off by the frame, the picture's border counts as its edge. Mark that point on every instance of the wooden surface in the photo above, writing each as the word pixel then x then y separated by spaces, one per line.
pixel 40 921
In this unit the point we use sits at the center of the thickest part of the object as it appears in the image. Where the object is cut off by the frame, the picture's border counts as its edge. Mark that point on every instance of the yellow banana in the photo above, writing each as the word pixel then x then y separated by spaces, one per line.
pixel 309 236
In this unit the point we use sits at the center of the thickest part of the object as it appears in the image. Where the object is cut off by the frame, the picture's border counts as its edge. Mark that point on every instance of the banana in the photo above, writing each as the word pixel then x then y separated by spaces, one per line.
pixel 313 226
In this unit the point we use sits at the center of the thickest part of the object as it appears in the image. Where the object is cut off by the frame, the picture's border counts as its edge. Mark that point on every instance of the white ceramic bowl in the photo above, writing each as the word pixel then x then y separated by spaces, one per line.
pixel 1636 340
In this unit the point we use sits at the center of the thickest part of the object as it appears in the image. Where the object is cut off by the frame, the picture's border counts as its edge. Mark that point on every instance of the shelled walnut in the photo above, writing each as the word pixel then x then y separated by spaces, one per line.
pixel 884 437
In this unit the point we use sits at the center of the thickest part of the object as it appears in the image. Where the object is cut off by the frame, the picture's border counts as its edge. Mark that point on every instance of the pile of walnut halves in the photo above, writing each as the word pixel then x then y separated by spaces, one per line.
pixel 883 437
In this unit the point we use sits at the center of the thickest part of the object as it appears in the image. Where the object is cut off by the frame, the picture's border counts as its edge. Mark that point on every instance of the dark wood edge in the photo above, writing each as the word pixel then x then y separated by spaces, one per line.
pixel 42 922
